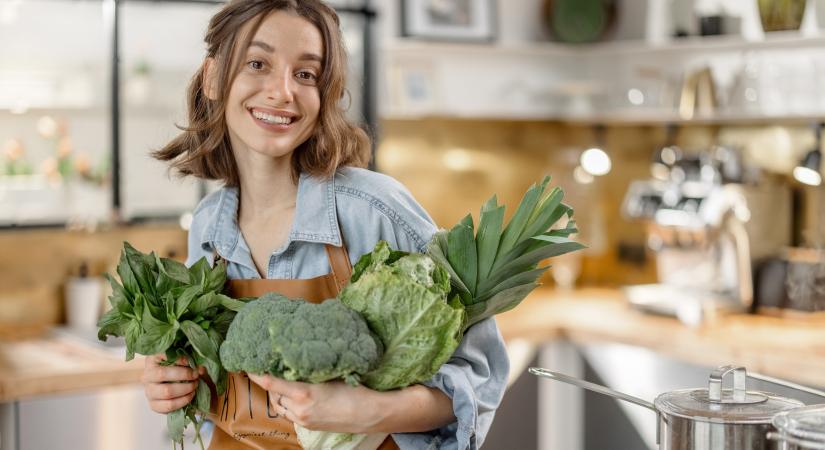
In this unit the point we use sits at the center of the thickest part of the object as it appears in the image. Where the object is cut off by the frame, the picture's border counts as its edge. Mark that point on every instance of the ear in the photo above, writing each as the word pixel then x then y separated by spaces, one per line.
pixel 210 74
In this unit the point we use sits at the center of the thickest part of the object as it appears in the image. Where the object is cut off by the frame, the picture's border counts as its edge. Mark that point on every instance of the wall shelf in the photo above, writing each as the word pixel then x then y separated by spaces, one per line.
pixel 541 81
pixel 729 43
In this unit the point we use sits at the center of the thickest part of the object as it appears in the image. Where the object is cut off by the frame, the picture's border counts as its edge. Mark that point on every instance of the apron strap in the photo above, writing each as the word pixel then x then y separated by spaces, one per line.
pixel 339 263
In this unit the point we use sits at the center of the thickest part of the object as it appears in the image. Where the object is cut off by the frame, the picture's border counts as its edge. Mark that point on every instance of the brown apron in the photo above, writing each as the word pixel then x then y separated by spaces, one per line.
pixel 243 416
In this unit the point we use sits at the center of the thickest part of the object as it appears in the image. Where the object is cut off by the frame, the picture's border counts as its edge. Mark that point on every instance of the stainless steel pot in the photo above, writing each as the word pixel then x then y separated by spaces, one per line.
pixel 800 429
pixel 705 419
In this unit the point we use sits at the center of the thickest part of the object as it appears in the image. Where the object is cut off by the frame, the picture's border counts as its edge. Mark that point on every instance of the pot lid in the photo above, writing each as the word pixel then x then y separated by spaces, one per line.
pixel 715 404
pixel 806 423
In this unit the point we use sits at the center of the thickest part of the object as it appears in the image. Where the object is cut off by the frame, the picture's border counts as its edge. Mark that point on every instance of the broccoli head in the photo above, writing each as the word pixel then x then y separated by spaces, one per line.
pixel 300 341
pixel 247 345
pixel 321 342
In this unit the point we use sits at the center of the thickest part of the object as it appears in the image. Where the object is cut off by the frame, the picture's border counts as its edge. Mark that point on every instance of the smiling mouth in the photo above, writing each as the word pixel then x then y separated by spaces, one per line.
pixel 271 119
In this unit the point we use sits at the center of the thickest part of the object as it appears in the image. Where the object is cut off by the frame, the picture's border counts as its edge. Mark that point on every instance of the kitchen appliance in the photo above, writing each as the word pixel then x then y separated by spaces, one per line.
pixel 800 429
pixel 707 224
pixel 705 419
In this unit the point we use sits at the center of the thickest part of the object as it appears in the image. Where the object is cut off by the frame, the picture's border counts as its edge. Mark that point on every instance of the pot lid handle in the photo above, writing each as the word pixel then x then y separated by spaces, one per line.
pixel 739 383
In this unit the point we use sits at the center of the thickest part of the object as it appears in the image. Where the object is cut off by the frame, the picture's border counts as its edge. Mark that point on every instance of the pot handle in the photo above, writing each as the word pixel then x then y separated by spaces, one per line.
pixel 740 390
pixel 788 384
pixel 591 387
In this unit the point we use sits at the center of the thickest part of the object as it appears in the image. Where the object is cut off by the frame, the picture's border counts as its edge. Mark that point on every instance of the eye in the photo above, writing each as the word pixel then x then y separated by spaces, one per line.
pixel 255 64
pixel 307 75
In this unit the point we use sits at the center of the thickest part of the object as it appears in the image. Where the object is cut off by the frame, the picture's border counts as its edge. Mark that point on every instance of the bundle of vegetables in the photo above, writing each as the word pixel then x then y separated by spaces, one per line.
pixel 495 271
pixel 420 305
pixel 161 306
pixel 300 341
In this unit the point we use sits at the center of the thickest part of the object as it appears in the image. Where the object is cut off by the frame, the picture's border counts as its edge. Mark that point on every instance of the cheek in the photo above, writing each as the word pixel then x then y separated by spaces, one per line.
pixel 315 102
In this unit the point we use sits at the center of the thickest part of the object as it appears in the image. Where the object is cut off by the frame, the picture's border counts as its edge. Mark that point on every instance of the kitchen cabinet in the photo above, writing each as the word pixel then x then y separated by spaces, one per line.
pixel 105 419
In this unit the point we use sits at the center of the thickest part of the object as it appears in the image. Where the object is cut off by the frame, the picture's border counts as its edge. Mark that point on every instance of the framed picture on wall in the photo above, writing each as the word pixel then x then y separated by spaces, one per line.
pixel 449 20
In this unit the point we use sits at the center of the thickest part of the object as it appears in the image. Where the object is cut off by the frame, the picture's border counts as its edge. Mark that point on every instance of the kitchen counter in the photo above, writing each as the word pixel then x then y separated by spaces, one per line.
pixel 789 348
pixel 55 364
pixel 792 348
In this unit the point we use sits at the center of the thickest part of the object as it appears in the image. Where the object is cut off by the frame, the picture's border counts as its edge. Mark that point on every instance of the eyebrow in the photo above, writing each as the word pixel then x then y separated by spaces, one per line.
pixel 270 49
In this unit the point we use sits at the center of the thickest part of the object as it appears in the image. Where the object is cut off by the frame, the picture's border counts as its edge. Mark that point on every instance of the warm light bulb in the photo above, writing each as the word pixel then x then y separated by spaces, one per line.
pixel 581 176
pixel 596 162
pixel 457 159
pixel 807 176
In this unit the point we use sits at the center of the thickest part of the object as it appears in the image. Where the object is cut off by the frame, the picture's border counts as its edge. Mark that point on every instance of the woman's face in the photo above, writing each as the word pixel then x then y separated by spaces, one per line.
pixel 274 101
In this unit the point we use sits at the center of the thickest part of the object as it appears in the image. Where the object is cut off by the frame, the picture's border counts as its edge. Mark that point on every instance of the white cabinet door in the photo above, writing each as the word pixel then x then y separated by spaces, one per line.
pixel 113 418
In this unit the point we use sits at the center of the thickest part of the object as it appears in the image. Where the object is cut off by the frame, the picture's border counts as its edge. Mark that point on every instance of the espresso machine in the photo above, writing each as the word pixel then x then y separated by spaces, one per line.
pixel 707 220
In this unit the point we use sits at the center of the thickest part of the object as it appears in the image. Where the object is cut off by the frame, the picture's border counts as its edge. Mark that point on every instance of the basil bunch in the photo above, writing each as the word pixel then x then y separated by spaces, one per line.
pixel 161 306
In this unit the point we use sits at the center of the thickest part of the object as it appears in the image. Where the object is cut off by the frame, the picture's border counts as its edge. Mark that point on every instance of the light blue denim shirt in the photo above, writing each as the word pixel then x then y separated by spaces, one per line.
pixel 370 207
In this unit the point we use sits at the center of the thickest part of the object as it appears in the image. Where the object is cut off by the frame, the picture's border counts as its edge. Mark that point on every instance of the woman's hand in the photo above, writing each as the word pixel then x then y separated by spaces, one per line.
pixel 331 406
pixel 168 387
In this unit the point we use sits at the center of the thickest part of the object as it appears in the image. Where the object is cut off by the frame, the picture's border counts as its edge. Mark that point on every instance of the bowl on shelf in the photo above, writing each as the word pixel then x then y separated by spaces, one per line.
pixel 781 15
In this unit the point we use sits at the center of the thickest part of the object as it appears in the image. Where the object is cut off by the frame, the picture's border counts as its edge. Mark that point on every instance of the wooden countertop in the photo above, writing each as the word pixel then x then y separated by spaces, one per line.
pixel 53 365
pixel 789 348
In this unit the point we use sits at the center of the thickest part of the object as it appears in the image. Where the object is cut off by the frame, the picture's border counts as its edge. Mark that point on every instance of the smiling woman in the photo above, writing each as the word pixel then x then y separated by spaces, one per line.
pixel 265 118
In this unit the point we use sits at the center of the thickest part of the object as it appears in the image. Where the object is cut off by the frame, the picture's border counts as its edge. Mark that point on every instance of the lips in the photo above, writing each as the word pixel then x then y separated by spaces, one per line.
pixel 272 119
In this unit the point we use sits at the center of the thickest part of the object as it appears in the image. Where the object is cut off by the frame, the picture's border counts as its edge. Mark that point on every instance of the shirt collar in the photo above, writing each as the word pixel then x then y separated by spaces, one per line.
pixel 315 217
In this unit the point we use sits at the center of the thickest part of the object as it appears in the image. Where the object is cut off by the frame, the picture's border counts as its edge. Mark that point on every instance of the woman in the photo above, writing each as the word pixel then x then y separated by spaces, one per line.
pixel 265 119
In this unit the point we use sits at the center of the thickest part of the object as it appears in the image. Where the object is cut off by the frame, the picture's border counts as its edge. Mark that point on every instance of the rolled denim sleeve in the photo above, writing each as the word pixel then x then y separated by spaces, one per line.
pixel 474 378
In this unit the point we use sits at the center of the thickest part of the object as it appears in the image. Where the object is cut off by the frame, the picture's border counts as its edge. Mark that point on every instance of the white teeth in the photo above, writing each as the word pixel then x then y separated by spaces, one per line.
pixel 269 118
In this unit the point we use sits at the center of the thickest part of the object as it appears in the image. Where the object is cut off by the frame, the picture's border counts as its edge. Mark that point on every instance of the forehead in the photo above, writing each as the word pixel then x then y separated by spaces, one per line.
pixel 290 33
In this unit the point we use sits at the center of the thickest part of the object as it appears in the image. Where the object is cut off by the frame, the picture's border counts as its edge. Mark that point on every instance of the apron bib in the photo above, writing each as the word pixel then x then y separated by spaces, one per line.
pixel 244 417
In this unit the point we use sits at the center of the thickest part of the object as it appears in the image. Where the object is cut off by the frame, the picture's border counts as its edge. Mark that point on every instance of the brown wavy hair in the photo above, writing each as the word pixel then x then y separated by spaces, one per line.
pixel 203 148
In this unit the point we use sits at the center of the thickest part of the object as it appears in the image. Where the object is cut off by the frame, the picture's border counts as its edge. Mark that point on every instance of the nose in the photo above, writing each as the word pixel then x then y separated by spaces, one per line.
pixel 280 87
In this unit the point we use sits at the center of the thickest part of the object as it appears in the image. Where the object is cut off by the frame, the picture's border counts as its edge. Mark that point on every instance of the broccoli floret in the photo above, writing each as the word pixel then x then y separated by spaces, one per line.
pixel 321 342
pixel 300 341
pixel 247 346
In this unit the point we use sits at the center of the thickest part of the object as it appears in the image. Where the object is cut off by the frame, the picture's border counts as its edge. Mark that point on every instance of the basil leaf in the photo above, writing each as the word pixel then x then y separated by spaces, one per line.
pixel 230 303
pixel 124 270
pixel 142 271
pixel 203 397
pixel 204 302
pixel 222 321
pixel 158 335
pixel 185 299
pixel 216 278
pixel 176 270
pixel 119 295
pixel 175 423
pixel 199 340
pixel 133 333
pixel 112 324
pixel 198 271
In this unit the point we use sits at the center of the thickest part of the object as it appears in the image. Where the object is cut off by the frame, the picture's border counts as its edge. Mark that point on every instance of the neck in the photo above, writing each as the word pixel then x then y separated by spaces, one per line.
pixel 266 185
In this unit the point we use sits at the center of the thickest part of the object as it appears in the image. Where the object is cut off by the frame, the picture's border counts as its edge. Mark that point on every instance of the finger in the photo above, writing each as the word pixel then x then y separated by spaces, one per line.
pixel 157 359
pixel 161 374
pixel 169 405
pixel 280 407
pixel 166 391
pixel 272 384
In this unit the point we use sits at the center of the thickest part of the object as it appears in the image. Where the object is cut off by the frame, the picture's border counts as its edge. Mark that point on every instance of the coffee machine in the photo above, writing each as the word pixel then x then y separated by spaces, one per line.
pixel 706 221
